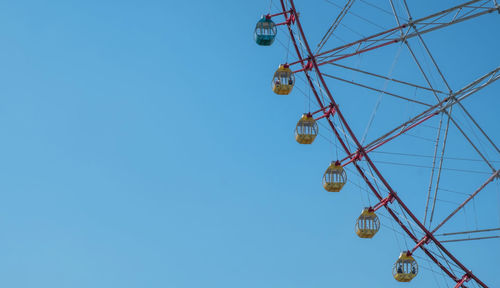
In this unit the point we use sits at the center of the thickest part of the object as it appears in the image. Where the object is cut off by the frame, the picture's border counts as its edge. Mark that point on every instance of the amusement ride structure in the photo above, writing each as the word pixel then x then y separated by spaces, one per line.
pixel 441 109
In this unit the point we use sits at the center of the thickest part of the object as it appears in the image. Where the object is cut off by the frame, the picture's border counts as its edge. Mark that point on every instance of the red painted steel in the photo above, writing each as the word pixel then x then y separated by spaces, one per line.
pixel 328 113
pixel 321 110
pixel 384 202
pixel 312 59
pixel 464 279
pixel 269 16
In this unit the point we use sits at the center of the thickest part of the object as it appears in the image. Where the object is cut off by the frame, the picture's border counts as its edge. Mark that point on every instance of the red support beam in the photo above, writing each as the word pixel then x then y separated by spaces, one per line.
pixel 464 279
pixel 321 110
pixel 269 16
pixel 328 113
pixel 382 203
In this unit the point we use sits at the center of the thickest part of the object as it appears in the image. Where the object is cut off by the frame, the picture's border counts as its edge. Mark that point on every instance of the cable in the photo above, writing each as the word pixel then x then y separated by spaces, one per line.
pixel 377 105
pixel 422 166
pixel 433 169
pixel 429 156
pixel 358 16
pixel 468 232
pixel 334 25
pixel 379 8
pixel 375 89
pixel 441 160
pixel 468 239
pixel 384 77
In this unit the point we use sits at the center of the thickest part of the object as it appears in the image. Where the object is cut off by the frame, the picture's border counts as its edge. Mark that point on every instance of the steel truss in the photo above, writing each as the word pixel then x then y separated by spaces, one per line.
pixel 311 62
pixel 403 32
pixel 436 109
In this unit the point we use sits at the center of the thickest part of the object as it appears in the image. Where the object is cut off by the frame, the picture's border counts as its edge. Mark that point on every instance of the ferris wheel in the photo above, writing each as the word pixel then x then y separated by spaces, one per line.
pixel 418 121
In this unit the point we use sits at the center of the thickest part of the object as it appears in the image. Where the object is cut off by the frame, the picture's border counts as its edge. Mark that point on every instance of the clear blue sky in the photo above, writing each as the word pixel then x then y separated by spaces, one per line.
pixel 142 147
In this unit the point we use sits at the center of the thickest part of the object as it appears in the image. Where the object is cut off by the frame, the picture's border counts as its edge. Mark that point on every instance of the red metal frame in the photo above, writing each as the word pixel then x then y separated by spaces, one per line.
pixel 362 153
pixel 288 20
pixel 269 16
pixel 382 203
pixel 327 113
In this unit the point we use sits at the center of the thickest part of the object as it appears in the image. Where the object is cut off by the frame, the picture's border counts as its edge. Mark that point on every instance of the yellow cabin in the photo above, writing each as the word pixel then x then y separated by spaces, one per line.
pixel 334 178
pixel 406 268
pixel 367 224
pixel 306 129
pixel 283 80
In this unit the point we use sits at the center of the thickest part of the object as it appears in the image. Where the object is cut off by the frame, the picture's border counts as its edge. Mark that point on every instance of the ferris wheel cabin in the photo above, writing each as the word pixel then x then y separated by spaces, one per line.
pixel 265 31
pixel 367 224
pixel 306 129
pixel 283 80
pixel 405 268
pixel 334 178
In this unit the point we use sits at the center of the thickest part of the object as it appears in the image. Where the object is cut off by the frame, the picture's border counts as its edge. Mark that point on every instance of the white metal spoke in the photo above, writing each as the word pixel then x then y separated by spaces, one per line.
pixel 375 89
pixel 389 79
pixel 440 167
pixel 433 168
